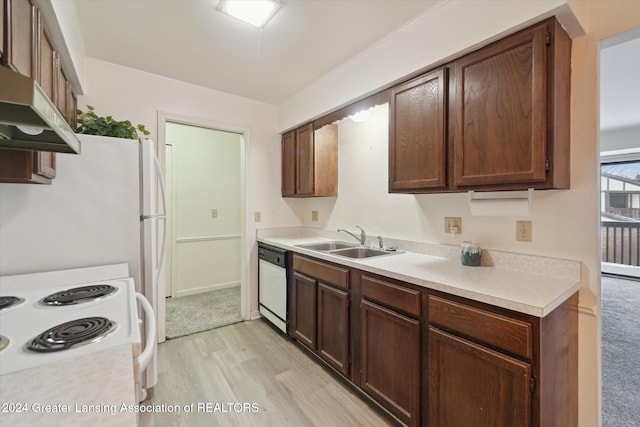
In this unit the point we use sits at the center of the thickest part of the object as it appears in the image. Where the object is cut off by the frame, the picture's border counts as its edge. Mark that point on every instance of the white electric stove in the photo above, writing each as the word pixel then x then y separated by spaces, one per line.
pixel 54 316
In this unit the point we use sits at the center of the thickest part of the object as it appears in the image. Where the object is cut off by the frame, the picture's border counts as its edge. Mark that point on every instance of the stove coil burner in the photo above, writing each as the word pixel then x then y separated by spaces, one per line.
pixel 72 334
pixel 9 301
pixel 78 295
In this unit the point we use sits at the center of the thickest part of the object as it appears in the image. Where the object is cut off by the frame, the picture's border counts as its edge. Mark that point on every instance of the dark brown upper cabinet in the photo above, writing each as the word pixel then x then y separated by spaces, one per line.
pixel 27 167
pixel 20 36
pixel 305 156
pixel 289 164
pixel 417 134
pixel 494 119
pixel 28 48
pixel 512 111
pixel 310 162
pixel 48 67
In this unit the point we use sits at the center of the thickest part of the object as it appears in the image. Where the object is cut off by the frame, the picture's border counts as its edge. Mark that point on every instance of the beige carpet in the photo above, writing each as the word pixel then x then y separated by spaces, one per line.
pixel 196 313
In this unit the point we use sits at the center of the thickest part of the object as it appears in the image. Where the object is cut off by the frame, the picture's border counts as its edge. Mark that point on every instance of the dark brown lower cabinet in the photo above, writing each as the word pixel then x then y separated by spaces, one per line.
pixel 20 166
pixel 319 311
pixel 333 327
pixel 473 386
pixel 492 367
pixel 303 321
pixel 433 359
pixel 391 361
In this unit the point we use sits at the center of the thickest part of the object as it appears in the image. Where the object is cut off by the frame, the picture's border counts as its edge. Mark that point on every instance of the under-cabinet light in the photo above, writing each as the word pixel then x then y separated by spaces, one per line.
pixel 254 12
pixel 361 116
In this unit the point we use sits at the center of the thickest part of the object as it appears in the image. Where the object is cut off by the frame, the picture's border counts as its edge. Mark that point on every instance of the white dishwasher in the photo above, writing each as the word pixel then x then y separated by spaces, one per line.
pixel 272 293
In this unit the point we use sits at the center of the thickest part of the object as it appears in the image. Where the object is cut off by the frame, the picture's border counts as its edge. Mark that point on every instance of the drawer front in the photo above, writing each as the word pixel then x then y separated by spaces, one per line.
pixel 391 295
pixel 324 272
pixel 512 335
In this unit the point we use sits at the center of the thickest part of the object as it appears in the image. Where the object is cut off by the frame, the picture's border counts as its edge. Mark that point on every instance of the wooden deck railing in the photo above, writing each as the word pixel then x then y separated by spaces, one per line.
pixel 621 242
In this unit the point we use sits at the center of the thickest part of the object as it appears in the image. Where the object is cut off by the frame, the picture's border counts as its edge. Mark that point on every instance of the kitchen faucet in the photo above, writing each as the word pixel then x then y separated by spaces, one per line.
pixel 363 236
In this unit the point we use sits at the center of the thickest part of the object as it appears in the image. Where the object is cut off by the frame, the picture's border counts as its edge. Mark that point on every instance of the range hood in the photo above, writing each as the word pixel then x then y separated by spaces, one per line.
pixel 28 118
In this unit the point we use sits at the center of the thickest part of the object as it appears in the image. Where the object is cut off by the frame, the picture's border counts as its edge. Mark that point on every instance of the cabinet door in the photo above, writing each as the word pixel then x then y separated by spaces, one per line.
pixel 304 309
pixel 45 164
pixel 333 327
pixel 500 105
pixel 325 161
pixel 305 157
pixel 21 37
pixel 289 164
pixel 48 69
pixel 2 27
pixel 72 108
pixel 473 386
pixel 62 92
pixel 391 361
pixel 26 167
pixel 417 133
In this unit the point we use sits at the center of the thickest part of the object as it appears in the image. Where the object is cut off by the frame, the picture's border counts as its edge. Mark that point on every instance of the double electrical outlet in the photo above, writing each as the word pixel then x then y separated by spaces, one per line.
pixel 524 229
pixel 452 224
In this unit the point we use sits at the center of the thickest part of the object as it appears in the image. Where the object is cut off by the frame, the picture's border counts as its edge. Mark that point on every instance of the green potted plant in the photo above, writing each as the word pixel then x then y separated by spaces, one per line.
pixel 89 123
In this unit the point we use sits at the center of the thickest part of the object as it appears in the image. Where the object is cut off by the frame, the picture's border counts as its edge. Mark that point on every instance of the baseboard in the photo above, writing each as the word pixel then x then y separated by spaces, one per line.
pixel 216 287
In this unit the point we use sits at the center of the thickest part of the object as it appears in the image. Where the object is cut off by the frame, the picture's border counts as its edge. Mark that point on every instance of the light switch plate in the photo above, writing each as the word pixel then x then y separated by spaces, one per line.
pixel 214 213
pixel 257 216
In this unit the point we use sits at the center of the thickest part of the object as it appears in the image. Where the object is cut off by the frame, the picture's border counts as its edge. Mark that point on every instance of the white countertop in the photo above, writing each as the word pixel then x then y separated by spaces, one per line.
pixel 521 291
pixel 95 389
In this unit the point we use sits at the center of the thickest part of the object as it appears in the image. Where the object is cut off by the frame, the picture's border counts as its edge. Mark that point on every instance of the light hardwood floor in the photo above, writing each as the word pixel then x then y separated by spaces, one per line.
pixel 249 365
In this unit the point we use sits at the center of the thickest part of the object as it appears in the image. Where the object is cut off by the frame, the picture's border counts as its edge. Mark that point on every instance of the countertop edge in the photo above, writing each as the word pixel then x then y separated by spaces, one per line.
pixel 566 287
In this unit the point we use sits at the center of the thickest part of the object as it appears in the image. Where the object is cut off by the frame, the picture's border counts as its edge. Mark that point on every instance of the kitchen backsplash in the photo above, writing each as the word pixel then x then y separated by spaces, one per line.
pixel 535 264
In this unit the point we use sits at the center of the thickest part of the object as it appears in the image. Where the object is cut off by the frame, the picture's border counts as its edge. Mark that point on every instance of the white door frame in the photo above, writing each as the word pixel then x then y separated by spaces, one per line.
pixel 167 117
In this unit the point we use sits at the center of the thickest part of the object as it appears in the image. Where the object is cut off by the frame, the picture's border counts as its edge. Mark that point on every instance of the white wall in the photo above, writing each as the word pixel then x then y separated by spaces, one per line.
pixel 88 216
pixel 126 93
pixel 620 92
pixel 206 175
pixel 454 27
pixel 565 223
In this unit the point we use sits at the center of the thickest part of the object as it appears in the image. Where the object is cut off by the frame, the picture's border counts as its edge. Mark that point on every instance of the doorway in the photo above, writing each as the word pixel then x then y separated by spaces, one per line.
pixel 205 231
pixel 620 227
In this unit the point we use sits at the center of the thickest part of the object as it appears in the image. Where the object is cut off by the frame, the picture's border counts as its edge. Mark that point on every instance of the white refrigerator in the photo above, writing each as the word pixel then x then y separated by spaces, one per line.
pixel 103 207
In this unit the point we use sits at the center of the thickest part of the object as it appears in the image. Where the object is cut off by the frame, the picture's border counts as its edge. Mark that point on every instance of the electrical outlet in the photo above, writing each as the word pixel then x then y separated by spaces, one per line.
pixel 257 217
pixel 314 215
pixel 214 213
pixel 452 221
pixel 523 231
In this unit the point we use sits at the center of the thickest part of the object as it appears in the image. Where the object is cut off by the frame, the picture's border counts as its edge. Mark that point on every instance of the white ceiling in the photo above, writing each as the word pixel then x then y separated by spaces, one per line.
pixel 190 40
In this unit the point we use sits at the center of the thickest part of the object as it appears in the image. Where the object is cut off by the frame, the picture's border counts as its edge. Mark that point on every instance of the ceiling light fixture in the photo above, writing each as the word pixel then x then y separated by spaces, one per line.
pixel 254 12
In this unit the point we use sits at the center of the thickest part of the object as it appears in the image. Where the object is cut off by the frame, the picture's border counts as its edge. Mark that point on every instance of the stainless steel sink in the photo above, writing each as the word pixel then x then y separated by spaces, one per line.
pixel 347 250
pixel 360 252
pixel 328 246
